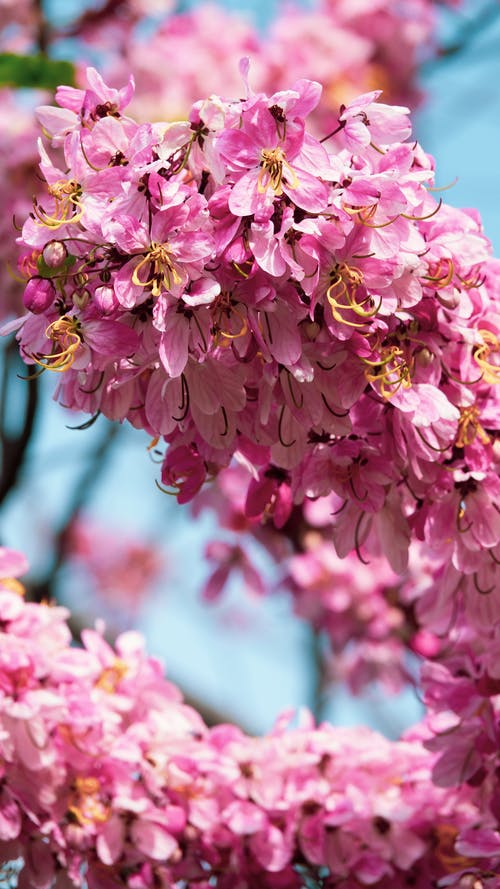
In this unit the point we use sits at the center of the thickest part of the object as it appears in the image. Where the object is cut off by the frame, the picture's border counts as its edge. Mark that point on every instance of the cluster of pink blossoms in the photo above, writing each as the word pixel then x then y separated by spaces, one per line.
pixel 348 47
pixel 238 288
pixel 108 780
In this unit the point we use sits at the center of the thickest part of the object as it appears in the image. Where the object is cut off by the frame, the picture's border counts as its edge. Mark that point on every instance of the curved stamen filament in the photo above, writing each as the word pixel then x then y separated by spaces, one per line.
pixel 224 306
pixel 65 334
pixel 161 273
pixel 391 371
pixel 341 295
pixel 473 280
pixel 366 214
pixel 469 427
pixel 68 206
pixel 273 165
pixel 490 346
pixel 442 274
pixel 242 331
pixel 422 218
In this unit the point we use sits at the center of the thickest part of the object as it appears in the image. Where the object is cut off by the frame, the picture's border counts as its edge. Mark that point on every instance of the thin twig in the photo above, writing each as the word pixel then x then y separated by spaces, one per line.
pixel 14 447
pixel 466 34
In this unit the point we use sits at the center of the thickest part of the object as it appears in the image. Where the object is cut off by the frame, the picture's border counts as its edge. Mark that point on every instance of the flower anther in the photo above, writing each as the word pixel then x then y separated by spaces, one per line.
pixel 161 273
pixel 86 804
pixel 441 275
pixel 446 835
pixel 344 281
pixel 13 585
pixel 67 194
pixel 490 346
pixel 469 427
pixel 111 676
pixel 223 306
pixel 272 161
pixel 66 335
pixel 391 370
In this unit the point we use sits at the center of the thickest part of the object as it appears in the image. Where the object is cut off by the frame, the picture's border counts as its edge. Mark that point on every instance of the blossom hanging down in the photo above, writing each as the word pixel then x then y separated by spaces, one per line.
pixel 236 286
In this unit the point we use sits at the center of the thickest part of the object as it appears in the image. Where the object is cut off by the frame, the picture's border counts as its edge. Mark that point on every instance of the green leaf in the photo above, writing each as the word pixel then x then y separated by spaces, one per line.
pixel 46 272
pixel 34 71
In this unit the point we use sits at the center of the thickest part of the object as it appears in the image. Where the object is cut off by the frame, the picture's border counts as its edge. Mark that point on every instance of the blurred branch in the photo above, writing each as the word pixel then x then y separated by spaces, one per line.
pixel 14 446
pixel 92 18
pixel 43 31
pixel 465 35
pixel 45 589
pixel 319 679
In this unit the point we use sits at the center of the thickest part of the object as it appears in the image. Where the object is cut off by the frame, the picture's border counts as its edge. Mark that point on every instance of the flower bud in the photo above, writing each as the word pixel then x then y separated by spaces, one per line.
pixel 105 300
pixel 424 357
pixel 312 329
pixel 39 295
pixel 54 254
pixel 81 298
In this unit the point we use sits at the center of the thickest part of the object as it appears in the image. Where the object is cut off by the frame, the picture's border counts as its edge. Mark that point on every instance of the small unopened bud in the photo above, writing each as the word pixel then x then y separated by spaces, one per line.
pixel 81 279
pixel 54 254
pixel 424 357
pixel 448 300
pixel 105 300
pixel 81 298
pixel 312 329
pixel 39 295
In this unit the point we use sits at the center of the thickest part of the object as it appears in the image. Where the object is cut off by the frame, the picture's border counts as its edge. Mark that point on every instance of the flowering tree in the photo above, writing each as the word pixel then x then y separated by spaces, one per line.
pixel 297 318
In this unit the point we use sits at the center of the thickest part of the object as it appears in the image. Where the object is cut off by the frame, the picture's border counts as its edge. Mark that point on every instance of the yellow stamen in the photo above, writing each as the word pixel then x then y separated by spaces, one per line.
pixel 224 307
pixel 12 584
pixel 366 214
pixel 65 334
pixel 68 206
pixel 86 804
pixel 161 273
pixel 490 346
pixel 446 835
pixel 469 426
pixel 111 676
pixel 342 295
pixel 273 160
pixel 442 273
pixel 391 371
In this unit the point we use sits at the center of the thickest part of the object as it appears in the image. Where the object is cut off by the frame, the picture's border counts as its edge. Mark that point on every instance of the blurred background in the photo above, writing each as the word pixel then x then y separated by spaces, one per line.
pixel 82 502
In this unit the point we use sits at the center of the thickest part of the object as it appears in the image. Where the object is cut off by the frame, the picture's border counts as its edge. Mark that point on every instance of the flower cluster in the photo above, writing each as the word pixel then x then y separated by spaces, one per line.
pixel 108 780
pixel 233 287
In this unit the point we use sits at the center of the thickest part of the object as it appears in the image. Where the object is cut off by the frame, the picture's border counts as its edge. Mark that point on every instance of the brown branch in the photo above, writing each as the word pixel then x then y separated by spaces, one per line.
pixel 44 590
pixel 465 35
pixel 14 447
pixel 43 30
pixel 92 18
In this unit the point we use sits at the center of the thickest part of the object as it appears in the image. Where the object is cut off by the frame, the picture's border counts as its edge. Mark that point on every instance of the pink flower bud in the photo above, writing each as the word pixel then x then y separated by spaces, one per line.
pixel 54 254
pixel 39 295
pixel 105 300
pixel 81 298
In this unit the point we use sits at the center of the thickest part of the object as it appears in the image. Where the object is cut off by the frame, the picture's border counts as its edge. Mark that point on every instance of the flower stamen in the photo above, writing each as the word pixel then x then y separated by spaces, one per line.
pixel 272 161
pixel 490 346
pixel 391 371
pixel 67 194
pixel 161 272
pixel 469 427
pixel 66 335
